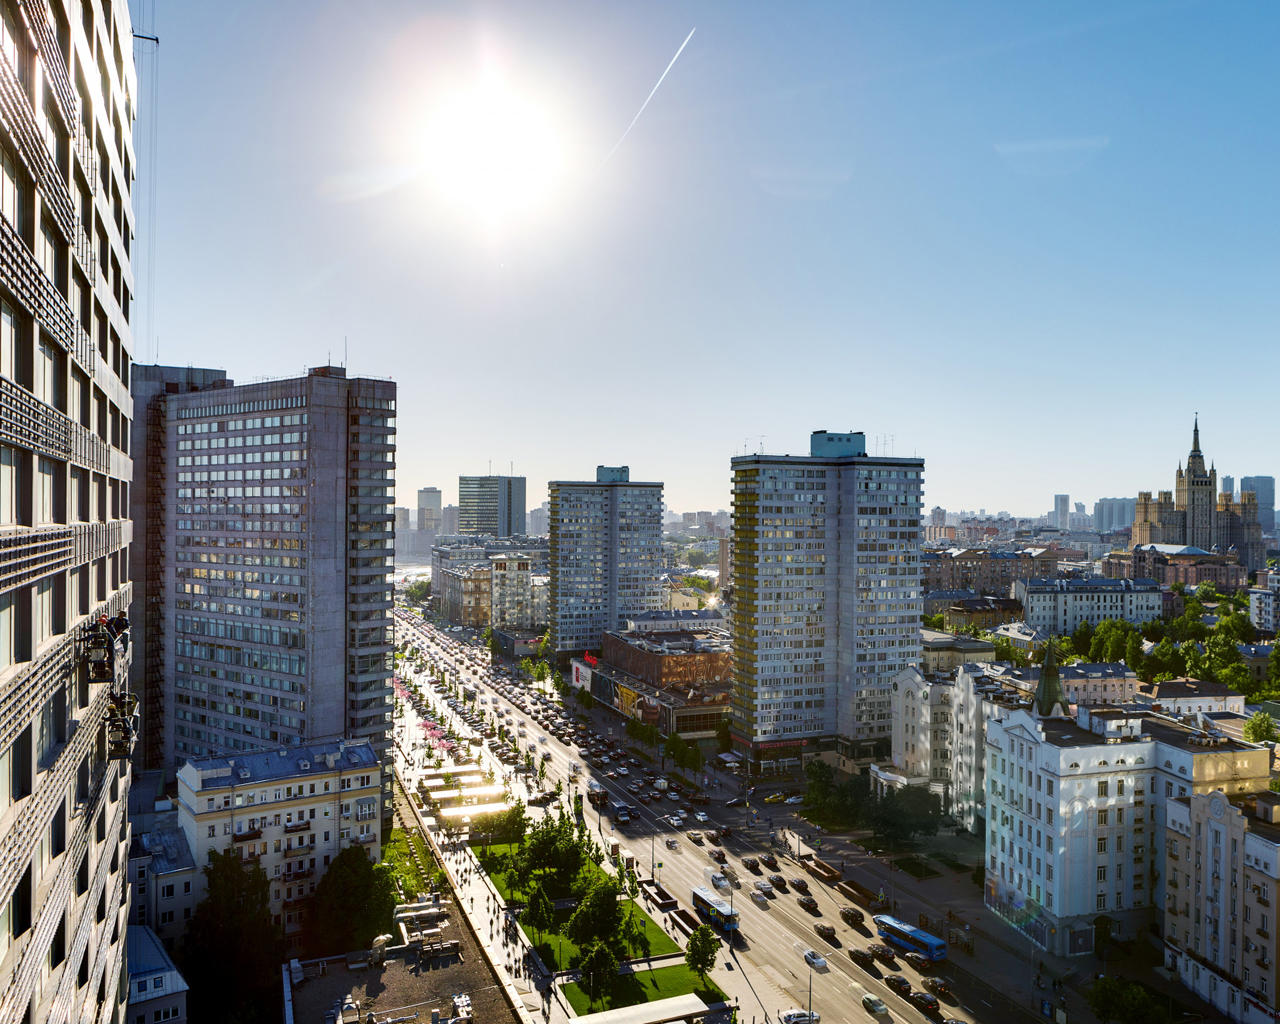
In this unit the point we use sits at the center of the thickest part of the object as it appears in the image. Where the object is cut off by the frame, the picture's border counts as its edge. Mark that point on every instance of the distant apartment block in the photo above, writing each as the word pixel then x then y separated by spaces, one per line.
pixel 1111 514
pixel 491 505
pixel 263 564
pixel 1265 489
pixel 985 572
pixel 1176 563
pixel 983 612
pixel 605 556
pixel 1264 602
pixel 1062 511
pixel 943 652
pixel 464 594
pixel 290 811
pixel 518 598
pixel 1061 605
pixel 430 510
pixel 157 991
pixel 827 605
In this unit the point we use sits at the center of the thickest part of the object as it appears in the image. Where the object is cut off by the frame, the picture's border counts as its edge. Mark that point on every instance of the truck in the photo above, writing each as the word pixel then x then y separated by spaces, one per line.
pixel 876 902
pixel 821 869
pixel 596 794
pixel 661 785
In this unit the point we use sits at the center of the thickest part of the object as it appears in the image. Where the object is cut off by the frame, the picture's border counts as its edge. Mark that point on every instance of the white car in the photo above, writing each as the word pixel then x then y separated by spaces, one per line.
pixel 814 959
pixel 793 800
pixel 764 888
pixel 623 771
pixel 699 816
pixel 798 1017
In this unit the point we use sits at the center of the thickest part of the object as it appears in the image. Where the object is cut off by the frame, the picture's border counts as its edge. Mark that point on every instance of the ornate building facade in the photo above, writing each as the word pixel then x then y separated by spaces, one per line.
pixel 1195 514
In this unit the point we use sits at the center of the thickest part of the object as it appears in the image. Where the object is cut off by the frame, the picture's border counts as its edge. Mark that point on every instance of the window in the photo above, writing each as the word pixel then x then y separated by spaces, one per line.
pixel 9 361
pixel 1102 901
pixel 1102 817
pixel 1102 787
pixel 1102 872
pixel 213 831
pixel 166 892
pixel 1102 844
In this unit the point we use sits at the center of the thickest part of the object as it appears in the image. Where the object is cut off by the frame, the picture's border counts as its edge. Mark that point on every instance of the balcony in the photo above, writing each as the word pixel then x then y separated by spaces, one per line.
pixel 294 876
pixel 297 826
pixel 247 835
pixel 1262 933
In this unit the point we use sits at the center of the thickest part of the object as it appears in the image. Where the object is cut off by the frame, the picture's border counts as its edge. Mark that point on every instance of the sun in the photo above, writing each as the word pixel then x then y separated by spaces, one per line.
pixel 493 152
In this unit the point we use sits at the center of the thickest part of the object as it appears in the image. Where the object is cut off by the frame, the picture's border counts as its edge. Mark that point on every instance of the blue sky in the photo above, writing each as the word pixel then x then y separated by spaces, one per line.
pixel 1024 241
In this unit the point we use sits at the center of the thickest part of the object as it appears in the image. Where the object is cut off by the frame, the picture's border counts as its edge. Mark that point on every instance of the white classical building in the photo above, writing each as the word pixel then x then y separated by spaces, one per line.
pixel 921 736
pixel 1059 606
pixel 1076 811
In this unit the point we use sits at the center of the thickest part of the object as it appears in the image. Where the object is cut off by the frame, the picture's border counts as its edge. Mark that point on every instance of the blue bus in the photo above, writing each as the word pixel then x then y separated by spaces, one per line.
pixel 905 937
pixel 718 913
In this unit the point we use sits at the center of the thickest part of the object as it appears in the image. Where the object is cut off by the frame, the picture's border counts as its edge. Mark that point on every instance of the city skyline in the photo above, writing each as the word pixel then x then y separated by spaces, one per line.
pixel 952 205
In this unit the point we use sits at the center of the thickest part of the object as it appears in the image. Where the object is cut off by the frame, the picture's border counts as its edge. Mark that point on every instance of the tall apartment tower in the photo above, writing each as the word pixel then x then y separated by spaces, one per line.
pixel 1228 485
pixel 605 555
pixel 491 505
pixel 1265 488
pixel 263 566
pixel 429 509
pixel 1062 511
pixel 70 95
pixel 827 602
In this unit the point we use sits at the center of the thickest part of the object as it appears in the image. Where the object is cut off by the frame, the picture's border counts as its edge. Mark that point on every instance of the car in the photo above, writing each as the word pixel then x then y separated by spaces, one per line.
pixel 769 861
pixel 779 882
pixel 700 816
pixel 760 897
pixel 719 880
pixel 623 771
pixel 851 915
pixel 809 903
pixel 919 961
pixel 774 798
pixel 874 1005
pixel 827 931
pixel 696 836
pixel 898 983
pixel 799 1017
pixel 735 801
pixel 717 855
pixel 713 835
pixel 793 800
pixel 861 957
pixel 815 959
pixel 884 954
pixel 928 1003
pixel 764 887
pixel 799 884
pixel 751 864
pixel 673 796
pixel 937 986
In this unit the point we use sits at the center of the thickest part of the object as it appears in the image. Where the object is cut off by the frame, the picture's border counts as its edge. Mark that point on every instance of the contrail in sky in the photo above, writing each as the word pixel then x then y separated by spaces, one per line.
pixel 649 97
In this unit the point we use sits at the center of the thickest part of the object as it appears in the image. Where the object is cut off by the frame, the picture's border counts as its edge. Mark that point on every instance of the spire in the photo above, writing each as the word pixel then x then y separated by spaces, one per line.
pixel 1050 700
pixel 1195 435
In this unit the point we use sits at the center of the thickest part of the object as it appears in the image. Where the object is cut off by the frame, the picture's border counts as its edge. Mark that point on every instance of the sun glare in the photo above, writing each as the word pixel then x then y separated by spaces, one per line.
pixel 493 153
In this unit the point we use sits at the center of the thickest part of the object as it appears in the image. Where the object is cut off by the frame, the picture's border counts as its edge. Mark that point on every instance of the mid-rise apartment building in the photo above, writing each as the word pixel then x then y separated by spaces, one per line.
pixel 922 735
pixel 464 593
pixel 70 97
pixel 985 572
pixel 827 603
pixel 491 505
pixel 1222 856
pixel 517 598
pixel 290 811
pixel 1061 605
pixel 1075 811
pixel 264 564
pixel 605 556
pixel 1264 602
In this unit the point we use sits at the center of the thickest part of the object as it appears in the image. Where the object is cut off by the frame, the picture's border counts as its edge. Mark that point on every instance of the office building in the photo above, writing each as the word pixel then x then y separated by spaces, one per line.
pixel 1062 511
pixel 66 230
pixel 1061 605
pixel 1223 863
pixel 605 556
pixel 1111 514
pixel 491 505
pixel 264 567
pixel 289 810
pixel 1229 485
pixel 430 510
pixel 1265 488
pixel 1196 515
pixel 827 602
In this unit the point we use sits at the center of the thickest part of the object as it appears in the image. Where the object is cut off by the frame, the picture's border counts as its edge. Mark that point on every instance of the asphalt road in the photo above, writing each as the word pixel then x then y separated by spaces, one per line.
pixel 774 935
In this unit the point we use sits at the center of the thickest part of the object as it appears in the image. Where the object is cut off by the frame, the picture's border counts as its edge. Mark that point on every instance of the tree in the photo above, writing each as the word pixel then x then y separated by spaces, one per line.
pixel 419 591
pixel 353 903
pixel 724 739
pixel 544 646
pixel 539 914
pixel 937 622
pixel 599 966
pixel 1260 728
pixel 1116 999
pixel 701 952
pixel 232 950
pixel 821 776
pixel 599 914
pixel 696 558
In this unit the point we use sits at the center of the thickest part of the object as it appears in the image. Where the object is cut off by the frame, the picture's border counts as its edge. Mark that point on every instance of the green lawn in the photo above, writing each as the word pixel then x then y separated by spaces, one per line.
pixel 559 952
pixel 395 851
pixel 644 987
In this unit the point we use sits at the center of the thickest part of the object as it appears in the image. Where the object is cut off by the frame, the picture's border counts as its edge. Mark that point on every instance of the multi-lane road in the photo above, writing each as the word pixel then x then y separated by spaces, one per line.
pixel 774 932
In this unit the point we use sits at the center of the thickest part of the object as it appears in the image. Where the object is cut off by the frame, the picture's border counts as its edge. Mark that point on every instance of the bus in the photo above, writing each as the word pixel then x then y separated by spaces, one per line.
pixel 905 937
pixel 718 913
